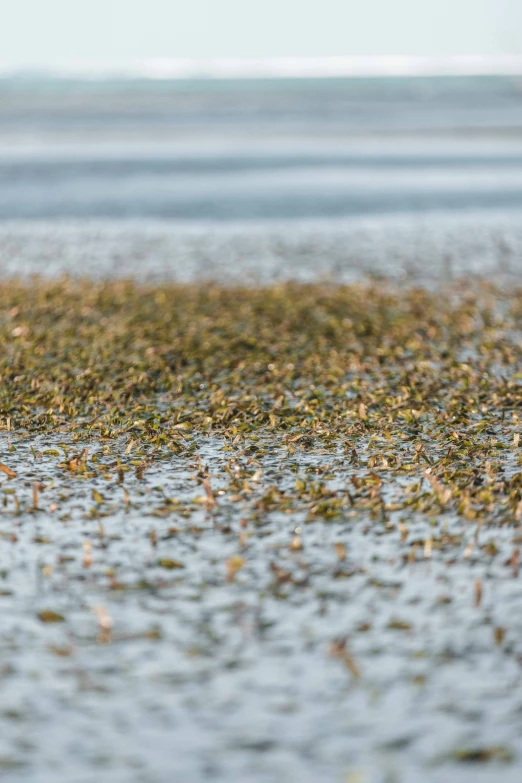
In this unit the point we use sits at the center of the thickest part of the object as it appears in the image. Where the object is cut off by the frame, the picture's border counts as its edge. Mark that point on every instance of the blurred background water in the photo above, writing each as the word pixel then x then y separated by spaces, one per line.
pixel 260 176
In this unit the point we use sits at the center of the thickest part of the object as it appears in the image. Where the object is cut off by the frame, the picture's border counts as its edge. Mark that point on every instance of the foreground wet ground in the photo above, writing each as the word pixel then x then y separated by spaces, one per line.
pixel 260 534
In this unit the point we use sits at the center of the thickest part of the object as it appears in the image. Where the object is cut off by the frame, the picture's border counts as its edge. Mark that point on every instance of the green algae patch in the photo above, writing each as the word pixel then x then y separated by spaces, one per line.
pixel 482 755
pixel 419 385
pixel 169 564
pixel 49 616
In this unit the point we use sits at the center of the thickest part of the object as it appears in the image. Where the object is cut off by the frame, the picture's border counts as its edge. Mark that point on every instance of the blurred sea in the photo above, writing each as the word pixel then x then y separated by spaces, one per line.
pixel 260 177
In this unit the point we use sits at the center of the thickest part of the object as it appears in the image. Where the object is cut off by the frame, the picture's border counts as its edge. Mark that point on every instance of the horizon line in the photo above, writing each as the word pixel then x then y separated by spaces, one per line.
pixel 274 67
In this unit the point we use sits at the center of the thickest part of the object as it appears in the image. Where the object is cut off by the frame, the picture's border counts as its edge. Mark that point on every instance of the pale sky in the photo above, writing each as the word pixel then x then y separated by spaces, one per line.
pixel 49 32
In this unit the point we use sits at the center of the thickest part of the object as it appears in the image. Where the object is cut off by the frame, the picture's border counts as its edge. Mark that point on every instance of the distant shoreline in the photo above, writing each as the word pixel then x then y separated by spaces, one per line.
pixel 272 68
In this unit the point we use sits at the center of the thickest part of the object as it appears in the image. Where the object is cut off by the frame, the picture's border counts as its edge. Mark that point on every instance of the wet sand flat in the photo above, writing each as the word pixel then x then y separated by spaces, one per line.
pixel 266 533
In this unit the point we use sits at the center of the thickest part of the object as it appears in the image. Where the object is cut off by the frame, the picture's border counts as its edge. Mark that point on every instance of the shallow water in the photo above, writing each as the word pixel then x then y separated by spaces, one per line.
pixel 203 678
pixel 257 150
pixel 262 179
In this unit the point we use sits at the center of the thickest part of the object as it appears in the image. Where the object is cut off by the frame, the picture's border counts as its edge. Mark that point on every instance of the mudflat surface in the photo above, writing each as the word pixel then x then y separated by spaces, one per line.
pixel 260 534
